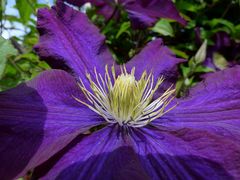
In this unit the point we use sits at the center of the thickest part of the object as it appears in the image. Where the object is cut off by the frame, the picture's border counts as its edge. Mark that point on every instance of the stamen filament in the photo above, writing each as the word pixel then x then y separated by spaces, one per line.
pixel 122 99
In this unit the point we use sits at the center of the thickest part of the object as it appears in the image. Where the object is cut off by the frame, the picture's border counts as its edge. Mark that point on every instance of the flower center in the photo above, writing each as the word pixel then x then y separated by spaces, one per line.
pixel 124 99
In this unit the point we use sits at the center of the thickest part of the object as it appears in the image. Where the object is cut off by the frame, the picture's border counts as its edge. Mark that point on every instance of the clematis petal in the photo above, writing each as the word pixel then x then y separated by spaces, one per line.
pixel 66 35
pixel 213 105
pixel 158 59
pixel 39 118
pixel 144 13
pixel 187 153
pixel 105 154
pixel 145 153
pixel 209 120
pixel 108 10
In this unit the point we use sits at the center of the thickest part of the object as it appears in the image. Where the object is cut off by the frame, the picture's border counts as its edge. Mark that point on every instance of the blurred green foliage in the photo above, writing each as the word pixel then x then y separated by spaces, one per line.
pixel 19 63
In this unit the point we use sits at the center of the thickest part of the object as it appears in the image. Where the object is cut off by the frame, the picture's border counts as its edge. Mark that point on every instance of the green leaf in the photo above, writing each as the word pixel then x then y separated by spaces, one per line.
pixel 185 71
pixel 225 24
pixel 26 9
pixel 179 85
pixel 237 33
pixel 188 81
pixel 179 53
pixel 190 6
pixel 123 29
pixel 220 61
pixel 201 53
pixel 6 49
pixel 164 28
pixel 2 8
pixel 203 69
pixel 12 18
pixel 29 56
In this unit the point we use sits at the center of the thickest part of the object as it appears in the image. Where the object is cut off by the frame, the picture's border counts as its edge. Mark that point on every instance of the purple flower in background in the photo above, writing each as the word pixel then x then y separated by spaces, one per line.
pixel 227 48
pixel 140 131
pixel 142 13
pixel 224 53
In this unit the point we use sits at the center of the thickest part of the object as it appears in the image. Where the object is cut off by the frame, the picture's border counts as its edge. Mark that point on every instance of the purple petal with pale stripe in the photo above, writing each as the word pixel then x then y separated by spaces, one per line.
pixel 39 118
pixel 146 153
pixel 67 35
pixel 105 154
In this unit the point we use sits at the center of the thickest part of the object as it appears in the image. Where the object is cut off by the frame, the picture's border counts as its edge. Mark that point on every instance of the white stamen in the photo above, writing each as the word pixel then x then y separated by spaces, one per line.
pixel 124 99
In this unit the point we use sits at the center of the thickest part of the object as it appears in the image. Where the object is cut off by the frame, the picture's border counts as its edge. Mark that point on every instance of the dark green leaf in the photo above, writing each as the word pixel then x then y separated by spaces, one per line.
pixel 123 29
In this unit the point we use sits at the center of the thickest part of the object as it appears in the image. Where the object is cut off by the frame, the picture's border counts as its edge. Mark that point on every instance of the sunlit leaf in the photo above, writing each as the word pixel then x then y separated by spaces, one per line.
pixel 220 61
pixel 179 53
pixel 201 53
pixel 203 69
pixel 2 7
pixel 163 27
pixel 25 9
pixel 6 49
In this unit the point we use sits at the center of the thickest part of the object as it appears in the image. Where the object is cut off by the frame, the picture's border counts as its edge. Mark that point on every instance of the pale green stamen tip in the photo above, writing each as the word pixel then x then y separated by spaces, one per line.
pixel 125 100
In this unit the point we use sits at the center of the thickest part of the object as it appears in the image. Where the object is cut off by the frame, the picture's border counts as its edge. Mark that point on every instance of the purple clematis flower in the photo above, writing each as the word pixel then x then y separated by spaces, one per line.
pixel 142 133
pixel 142 13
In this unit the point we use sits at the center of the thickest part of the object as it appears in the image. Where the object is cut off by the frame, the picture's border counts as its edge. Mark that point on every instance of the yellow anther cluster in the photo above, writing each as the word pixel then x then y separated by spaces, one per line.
pixel 125 100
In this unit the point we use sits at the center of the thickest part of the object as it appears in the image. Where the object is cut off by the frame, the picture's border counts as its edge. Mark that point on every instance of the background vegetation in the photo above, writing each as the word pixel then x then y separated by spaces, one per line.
pixel 215 22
